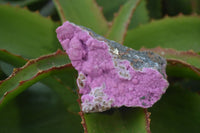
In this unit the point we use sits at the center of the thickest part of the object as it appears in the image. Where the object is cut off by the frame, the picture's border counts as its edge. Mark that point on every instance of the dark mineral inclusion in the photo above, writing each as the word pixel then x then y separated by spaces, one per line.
pixel 110 74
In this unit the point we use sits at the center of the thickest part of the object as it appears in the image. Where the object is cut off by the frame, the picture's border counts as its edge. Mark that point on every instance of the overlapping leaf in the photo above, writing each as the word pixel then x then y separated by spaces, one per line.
pixel 121 22
pixel 10 58
pixel 29 74
pixel 38 109
pixel 25 33
pixel 110 7
pixel 58 103
pixel 125 120
pixel 84 12
pixel 177 111
pixel 181 33
pixel 188 59
pixel 59 82
pixel 19 3
pixel 140 16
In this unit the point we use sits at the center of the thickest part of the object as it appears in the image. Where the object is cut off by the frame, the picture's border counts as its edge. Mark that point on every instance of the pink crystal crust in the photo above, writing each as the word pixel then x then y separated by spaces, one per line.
pixel 104 80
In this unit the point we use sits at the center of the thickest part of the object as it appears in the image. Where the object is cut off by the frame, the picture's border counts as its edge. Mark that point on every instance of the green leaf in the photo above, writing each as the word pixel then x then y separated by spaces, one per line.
pixel 181 33
pixel 62 111
pixel 25 33
pixel 122 20
pixel 122 120
pixel 65 92
pixel 33 71
pixel 38 109
pixel 2 75
pixel 21 3
pixel 190 83
pixel 110 7
pixel 9 118
pixel 15 60
pixel 181 64
pixel 179 70
pixel 140 16
pixel 62 83
pixel 84 12
pixel 187 58
pixel 6 68
pixel 177 112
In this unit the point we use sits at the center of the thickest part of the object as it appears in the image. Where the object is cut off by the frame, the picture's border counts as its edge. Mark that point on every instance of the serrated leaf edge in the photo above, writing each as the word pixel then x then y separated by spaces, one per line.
pixel 81 113
pixel 173 61
pixel 41 72
pixel 127 23
pixel 14 55
pixel 25 8
pixel 148 120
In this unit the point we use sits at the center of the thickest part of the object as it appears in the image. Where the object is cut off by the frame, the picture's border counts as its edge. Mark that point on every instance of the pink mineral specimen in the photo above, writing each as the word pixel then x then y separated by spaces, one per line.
pixel 112 75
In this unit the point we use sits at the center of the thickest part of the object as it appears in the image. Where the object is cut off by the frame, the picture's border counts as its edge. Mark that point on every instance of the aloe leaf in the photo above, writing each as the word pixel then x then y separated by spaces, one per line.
pixel 59 82
pixel 181 33
pixel 32 72
pixel 122 20
pixel 66 94
pixel 110 7
pixel 19 3
pixel 84 12
pixel 140 16
pixel 40 109
pixel 45 112
pixel 2 75
pixel 15 60
pixel 177 69
pixel 60 113
pixel 178 111
pixel 191 84
pixel 122 120
pixel 25 33
pixel 6 68
pixel 189 59
pixel 9 118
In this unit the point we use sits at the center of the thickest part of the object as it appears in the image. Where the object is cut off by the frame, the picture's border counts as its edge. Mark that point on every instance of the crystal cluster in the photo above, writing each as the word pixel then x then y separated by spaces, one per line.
pixel 110 74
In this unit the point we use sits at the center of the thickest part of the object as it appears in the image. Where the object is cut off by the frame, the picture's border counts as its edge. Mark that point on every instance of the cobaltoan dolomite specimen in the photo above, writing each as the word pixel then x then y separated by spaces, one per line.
pixel 112 75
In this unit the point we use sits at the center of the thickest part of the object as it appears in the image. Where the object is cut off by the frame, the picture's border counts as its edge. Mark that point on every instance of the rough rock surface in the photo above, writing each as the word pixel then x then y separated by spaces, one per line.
pixel 112 75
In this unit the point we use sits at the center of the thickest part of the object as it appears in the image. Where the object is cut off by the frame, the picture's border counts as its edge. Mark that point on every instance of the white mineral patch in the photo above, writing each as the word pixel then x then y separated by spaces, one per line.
pixel 80 80
pixel 116 51
pixel 100 101
pixel 122 70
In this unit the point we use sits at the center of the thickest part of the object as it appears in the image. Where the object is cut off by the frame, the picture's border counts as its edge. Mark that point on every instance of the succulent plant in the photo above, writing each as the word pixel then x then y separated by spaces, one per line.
pixel 113 75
